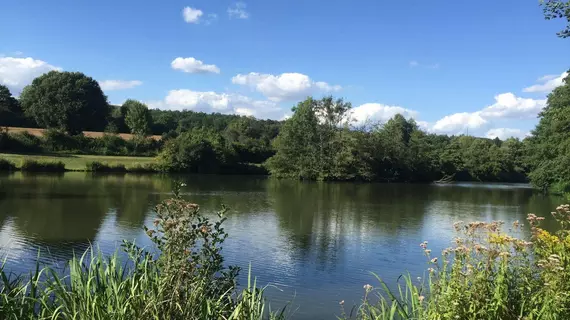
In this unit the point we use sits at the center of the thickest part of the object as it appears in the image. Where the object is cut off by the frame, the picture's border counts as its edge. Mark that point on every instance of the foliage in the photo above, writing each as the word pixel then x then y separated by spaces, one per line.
pixel 69 101
pixel 138 117
pixel 317 143
pixel 30 165
pixel 487 274
pixel 196 151
pixel 96 166
pixel 312 144
pixel 6 165
pixel 10 112
pixel 184 279
pixel 549 145
pixel 558 9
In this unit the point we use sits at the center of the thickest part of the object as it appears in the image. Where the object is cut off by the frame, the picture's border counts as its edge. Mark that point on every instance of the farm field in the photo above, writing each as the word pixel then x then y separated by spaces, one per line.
pixel 91 134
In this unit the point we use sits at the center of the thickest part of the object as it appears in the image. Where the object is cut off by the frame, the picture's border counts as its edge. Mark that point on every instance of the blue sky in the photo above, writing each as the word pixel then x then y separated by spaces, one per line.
pixel 452 65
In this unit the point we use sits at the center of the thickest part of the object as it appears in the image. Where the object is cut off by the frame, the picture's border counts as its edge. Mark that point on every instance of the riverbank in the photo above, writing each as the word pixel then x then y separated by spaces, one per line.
pixel 76 162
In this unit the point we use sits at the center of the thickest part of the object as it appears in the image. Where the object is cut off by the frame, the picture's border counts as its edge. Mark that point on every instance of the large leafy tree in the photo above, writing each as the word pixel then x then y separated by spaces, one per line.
pixel 550 142
pixel 315 142
pixel 10 112
pixel 558 9
pixel 137 117
pixel 69 101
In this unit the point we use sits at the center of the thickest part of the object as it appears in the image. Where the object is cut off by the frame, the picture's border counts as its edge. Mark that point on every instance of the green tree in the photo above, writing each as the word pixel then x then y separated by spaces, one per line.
pixel 314 143
pixel 69 101
pixel 10 112
pixel 196 151
pixel 137 117
pixel 549 145
pixel 558 9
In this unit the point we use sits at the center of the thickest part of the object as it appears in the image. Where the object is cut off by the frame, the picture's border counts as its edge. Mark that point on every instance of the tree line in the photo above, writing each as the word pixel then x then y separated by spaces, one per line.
pixel 318 142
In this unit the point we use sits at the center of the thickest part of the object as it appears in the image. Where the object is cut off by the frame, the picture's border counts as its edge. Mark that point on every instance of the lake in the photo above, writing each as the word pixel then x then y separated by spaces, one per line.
pixel 317 243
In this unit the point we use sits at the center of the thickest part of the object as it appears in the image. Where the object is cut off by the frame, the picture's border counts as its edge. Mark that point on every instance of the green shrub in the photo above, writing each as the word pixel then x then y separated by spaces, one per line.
pixel 30 165
pixel 487 274
pixel 21 142
pixel 6 165
pixel 96 166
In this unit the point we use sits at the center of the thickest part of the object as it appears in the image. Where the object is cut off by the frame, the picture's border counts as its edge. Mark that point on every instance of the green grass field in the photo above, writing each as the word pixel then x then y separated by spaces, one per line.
pixel 78 162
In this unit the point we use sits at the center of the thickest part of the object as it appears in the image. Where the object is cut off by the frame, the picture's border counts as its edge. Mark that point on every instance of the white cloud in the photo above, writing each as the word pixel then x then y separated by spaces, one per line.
pixel 507 105
pixel 375 112
pixel 415 63
pixel 192 65
pixel 287 86
pixel 547 83
pixel 238 11
pixel 110 85
pixel 16 73
pixel 210 101
pixel 505 133
pixel 192 15
pixel 457 123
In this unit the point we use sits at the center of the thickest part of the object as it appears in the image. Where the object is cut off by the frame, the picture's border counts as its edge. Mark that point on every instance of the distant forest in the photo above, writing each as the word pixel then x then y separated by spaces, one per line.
pixel 318 142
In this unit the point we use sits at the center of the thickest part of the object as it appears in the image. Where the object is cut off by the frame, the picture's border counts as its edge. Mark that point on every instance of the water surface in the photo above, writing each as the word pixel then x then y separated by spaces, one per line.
pixel 316 242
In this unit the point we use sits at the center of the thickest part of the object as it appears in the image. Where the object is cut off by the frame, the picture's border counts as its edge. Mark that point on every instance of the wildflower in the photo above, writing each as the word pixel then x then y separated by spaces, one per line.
pixel 431 270
pixel 434 260
pixel 504 254
pixel 367 287
pixel 183 184
pixel 421 298
pixel 423 245
pixel 427 251
pixel 341 303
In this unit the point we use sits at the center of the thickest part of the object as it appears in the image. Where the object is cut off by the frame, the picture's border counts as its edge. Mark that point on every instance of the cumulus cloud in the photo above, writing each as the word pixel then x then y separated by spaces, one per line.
pixel 547 83
pixel 192 15
pixel 238 11
pixel 376 112
pixel 459 122
pixel 210 101
pixel 193 65
pixel 507 105
pixel 283 87
pixel 505 133
pixel 110 85
pixel 16 73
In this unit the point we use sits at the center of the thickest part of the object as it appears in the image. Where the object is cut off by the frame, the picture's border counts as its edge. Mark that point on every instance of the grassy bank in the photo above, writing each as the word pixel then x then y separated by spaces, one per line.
pixel 79 162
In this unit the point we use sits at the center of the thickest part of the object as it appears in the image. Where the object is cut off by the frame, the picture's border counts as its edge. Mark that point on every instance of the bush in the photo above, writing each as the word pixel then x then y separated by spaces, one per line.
pixel 184 279
pixel 487 274
pixel 21 142
pixel 96 166
pixel 30 165
pixel 6 165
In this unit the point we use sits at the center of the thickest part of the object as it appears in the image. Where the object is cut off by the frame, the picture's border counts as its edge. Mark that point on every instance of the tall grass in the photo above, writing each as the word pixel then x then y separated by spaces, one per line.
pixel 184 279
pixel 487 274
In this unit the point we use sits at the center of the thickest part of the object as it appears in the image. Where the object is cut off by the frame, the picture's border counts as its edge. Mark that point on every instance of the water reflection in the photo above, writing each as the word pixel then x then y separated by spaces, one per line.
pixel 317 241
